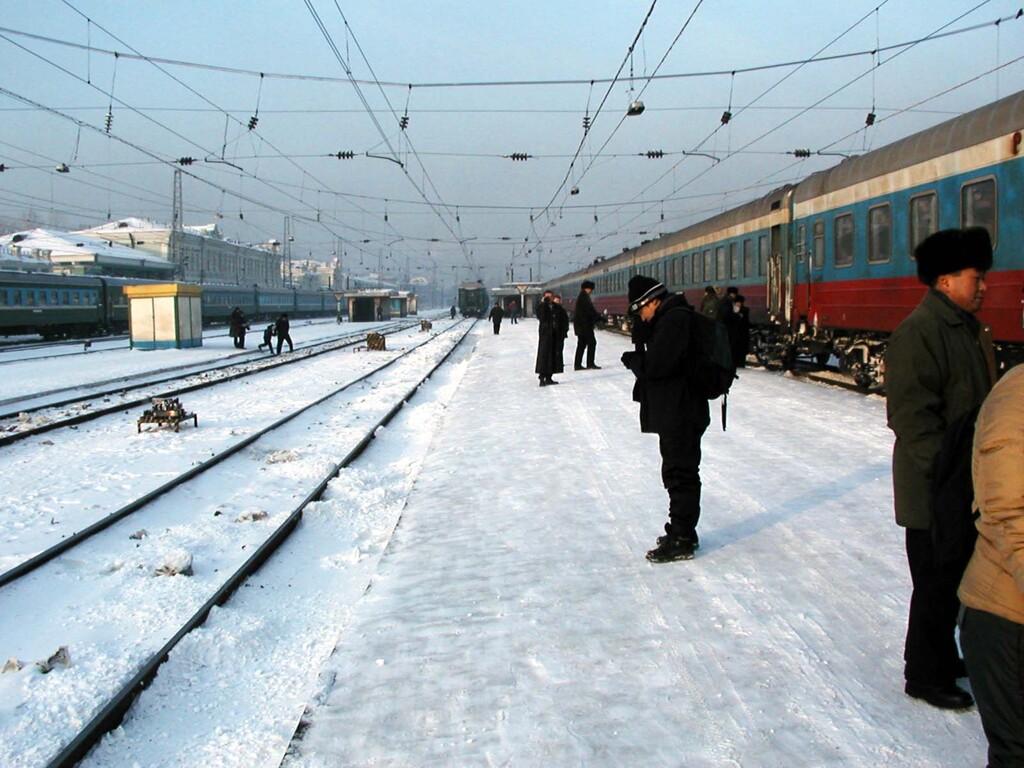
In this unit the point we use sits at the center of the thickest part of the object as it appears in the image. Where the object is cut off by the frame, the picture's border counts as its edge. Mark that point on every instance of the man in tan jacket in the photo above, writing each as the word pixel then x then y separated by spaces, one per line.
pixel 992 590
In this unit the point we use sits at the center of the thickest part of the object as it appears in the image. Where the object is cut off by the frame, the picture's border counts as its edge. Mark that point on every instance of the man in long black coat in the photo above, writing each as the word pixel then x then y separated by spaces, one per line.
pixel 667 407
pixel 559 334
pixel 584 318
pixel 545 340
pixel 497 313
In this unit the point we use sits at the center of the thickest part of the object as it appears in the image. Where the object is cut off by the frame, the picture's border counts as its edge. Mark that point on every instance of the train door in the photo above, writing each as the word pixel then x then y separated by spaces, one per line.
pixel 780 274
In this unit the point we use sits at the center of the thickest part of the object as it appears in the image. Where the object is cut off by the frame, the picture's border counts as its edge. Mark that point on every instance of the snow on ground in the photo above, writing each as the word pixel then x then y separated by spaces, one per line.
pixel 512 619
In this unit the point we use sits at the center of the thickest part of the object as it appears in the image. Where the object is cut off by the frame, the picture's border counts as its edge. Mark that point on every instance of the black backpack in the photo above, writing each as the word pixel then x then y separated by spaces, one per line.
pixel 952 487
pixel 712 368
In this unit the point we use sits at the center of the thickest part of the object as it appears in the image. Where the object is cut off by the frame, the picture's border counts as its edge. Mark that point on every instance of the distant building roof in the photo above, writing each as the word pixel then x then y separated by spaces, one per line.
pixel 136 224
pixel 42 245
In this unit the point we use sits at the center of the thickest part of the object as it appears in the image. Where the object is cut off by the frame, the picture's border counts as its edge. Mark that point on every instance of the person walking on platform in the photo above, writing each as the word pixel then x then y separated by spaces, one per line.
pixel 513 313
pixel 584 318
pixel 709 303
pixel 667 407
pixel 452 311
pixel 497 313
pixel 740 339
pixel 281 327
pixel 544 366
pixel 939 365
pixel 237 327
pixel 561 332
pixel 268 338
pixel 992 590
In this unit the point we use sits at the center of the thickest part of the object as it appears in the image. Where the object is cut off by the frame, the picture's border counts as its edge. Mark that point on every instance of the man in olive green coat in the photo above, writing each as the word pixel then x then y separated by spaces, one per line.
pixel 939 365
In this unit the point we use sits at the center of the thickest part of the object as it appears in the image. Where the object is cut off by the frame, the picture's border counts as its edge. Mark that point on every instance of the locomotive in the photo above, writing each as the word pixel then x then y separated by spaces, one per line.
pixel 55 306
pixel 826 265
pixel 473 300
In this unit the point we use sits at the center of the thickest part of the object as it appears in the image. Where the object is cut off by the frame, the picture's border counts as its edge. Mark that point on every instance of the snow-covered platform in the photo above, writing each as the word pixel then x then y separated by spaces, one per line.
pixel 513 619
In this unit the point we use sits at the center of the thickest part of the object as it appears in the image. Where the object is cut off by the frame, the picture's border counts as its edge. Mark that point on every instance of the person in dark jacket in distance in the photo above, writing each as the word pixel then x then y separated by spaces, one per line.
pixel 939 365
pixel 497 313
pixel 268 338
pixel 667 407
pixel 740 338
pixel 709 302
pixel 544 366
pixel 281 327
pixel 237 326
pixel 584 318
pixel 561 332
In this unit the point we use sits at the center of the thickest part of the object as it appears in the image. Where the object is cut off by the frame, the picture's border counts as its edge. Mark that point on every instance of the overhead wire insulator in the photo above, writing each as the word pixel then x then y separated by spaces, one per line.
pixel 520 156
pixel 801 153
pixel 870 119
pixel 347 155
pixel 726 117
pixel 253 122
pixel 586 122
pixel 2 167
pixel 654 154
pixel 403 122
pixel 109 122
pixel 186 160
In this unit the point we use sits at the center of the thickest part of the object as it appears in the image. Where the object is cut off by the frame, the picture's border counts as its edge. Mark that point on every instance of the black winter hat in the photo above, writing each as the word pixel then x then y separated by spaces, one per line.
pixel 587 284
pixel 950 250
pixel 643 289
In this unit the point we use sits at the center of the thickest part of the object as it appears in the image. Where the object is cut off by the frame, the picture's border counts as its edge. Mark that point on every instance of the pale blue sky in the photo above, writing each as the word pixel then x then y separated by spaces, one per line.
pixel 454 183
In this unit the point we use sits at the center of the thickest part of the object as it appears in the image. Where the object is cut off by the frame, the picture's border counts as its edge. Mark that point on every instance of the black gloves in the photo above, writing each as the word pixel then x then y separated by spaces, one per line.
pixel 631 360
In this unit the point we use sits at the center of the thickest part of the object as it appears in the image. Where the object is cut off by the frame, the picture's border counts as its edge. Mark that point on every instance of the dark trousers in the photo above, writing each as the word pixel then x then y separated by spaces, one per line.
pixel 680 473
pixel 585 340
pixel 994 652
pixel 281 339
pixel 930 653
pixel 497 326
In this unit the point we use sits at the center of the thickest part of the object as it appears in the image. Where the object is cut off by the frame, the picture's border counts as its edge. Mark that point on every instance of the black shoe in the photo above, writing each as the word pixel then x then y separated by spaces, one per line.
pixel 672 549
pixel 593 367
pixel 577 367
pixel 662 539
pixel 949 696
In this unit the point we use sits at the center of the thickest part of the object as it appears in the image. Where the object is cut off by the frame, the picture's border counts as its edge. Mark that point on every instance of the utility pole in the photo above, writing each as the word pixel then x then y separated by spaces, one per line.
pixel 177 228
pixel 288 247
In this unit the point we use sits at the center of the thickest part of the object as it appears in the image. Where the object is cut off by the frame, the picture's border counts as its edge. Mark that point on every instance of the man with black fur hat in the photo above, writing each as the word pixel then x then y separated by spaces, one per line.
pixel 939 365
pixel 661 325
pixel 584 318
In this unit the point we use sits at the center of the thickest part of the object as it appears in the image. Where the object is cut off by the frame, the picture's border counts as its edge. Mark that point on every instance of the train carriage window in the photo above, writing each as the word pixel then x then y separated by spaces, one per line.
pixel 843 256
pixel 709 266
pixel 924 218
pixel 762 255
pixel 819 244
pixel 734 261
pixel 16 295
pixel 800 246
pixel 54 297
pixel 720 266
pixel 684 270
pixel 879 234
pixel 671 275
pixel 748 258
pixel 30 298
pixel 978 206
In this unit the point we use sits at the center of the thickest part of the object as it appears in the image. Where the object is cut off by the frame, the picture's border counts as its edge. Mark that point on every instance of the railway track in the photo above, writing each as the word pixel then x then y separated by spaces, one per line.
pixel 226 542
pixel 27 416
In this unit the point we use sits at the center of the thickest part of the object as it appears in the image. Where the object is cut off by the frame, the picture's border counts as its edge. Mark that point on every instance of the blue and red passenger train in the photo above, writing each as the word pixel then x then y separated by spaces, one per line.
pixel 826 265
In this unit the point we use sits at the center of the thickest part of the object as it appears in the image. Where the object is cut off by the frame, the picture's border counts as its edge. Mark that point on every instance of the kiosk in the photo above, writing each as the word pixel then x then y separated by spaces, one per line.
pixel 165 316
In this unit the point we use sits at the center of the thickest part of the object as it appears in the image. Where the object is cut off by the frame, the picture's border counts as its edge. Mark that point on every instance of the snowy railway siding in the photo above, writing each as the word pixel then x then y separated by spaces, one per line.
pixel 206 528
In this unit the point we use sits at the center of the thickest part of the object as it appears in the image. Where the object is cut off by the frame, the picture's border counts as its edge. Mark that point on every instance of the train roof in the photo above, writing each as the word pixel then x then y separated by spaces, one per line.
pixel 988 122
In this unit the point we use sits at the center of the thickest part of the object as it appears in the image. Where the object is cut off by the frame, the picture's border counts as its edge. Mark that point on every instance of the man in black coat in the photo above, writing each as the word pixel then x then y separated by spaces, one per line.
pixel 497 313
pixel 584 317
pixel 667 407
pixel 282 327
pixel 544 366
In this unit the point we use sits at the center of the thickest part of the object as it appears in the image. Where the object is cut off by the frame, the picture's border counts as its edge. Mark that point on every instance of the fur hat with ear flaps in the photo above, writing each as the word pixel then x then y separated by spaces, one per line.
pixel 643 289
pixel 950 250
